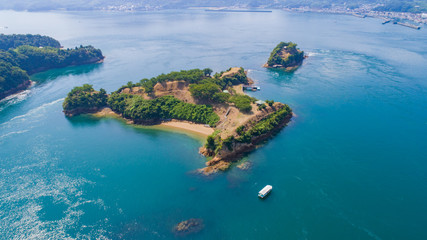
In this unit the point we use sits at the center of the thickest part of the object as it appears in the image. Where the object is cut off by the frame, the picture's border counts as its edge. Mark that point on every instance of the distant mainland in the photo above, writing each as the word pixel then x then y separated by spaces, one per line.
pixel 22 55
pixel 232 122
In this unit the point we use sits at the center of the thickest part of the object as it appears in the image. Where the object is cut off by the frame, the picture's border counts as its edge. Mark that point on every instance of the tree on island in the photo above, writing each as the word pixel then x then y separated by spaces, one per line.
pixel 207 72
pixel 85 98
pixel 242 102
pixel 286 55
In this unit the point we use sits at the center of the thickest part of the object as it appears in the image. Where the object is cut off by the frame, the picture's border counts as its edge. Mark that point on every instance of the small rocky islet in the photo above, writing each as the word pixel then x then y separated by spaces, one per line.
pixel 285 56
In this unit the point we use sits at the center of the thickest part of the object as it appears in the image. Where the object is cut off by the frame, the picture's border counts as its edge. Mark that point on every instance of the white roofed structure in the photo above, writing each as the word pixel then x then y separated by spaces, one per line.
pixel 265 191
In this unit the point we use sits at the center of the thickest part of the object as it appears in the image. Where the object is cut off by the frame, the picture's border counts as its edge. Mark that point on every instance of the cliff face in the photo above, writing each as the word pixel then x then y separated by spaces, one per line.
pixel 230 152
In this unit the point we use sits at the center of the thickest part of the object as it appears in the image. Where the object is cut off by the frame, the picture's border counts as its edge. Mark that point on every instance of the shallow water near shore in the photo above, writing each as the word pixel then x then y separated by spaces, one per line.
pixel 351 164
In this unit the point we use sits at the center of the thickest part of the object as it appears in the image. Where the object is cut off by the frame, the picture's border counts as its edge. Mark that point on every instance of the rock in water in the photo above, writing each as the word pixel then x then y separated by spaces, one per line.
pixel 245 165
pixel 189 226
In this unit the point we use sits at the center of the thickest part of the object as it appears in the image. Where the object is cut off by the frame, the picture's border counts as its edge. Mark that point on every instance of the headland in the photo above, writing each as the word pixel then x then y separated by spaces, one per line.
pixel 214 106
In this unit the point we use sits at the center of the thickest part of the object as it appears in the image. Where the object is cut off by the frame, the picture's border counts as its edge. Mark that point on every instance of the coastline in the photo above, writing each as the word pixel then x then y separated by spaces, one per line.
pixel 195 128
pixel 28 84
pixel 416 18
pixel 18 89
pixel 240 131
pixel 199 131
pixel 286 69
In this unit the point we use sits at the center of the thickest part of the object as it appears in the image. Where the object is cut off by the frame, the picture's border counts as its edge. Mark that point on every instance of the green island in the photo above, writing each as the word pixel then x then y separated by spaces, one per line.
pixel 286 56
pixel 232 122
pixel 23 55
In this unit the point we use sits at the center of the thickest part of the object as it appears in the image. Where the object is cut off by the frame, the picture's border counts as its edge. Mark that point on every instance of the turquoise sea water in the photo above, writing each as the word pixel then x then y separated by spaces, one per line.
pixel 351 165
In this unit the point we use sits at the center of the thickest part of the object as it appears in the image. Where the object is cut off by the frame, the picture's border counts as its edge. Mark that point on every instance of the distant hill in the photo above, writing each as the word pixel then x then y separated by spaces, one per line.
pixel 43 5
pixel 16 40
pixel 22 55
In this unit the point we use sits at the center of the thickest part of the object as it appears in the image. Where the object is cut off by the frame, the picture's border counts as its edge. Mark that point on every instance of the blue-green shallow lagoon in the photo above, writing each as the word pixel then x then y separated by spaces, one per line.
pixel 351 165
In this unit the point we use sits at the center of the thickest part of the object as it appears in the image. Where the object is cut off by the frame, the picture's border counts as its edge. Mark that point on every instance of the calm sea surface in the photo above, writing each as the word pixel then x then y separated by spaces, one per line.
pixel 351 165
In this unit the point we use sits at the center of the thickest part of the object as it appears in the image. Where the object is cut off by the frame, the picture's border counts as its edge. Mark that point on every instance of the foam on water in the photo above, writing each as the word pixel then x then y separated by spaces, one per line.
pixel 14 99
pixel 12 133
pixel 33 113
pixel 24 191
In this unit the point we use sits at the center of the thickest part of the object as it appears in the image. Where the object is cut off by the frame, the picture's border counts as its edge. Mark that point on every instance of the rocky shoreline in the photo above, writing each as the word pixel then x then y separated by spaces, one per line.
pixel 287 69
pixel 78 111
pixel 285 56
pixel 239 128
pixel 26 84
pixel 223 158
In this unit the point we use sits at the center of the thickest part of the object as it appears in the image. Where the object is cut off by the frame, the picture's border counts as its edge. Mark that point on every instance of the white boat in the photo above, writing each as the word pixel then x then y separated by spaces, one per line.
pixel 265 191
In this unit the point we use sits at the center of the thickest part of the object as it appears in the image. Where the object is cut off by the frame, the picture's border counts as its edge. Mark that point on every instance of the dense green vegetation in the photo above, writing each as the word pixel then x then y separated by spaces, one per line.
pixel 202 85
pixel 242 102
pixel 264 126
pixel 141 110
pixel 16 40
pixel 214 143
pixel 209 91
pixel 269 102
pixel 167 107
pixel 11 75
pixel 34 59
pixel 190 76
pixel 230 80
pixel 205 91
pixel 286 54
pixel 85 97
pixel 17 63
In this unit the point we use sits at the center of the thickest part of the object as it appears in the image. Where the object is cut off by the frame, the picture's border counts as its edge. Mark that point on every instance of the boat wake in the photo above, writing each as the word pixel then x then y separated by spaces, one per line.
pixel 32 113
pixel 14 99
pixel 12 126
pixel 12 133
pixel 312 54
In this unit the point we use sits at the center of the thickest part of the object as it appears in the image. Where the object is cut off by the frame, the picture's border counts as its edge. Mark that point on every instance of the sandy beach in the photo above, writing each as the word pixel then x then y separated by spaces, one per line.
pixel 173 125
pixel 199 129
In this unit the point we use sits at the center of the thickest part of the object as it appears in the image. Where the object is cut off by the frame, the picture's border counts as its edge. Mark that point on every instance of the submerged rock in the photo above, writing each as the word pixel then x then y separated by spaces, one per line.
pixel 245 165
pixel 189 226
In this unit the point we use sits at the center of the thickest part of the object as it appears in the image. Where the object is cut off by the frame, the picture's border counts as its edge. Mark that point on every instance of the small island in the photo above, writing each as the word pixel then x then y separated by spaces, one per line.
pixel 285 56
pixel 236 123
pixel 23 55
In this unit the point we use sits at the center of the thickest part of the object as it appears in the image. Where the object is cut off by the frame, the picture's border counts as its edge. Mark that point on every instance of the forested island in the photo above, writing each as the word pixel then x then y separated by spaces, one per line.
pixel 286 56
pixel 23 55
pixel 238 122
